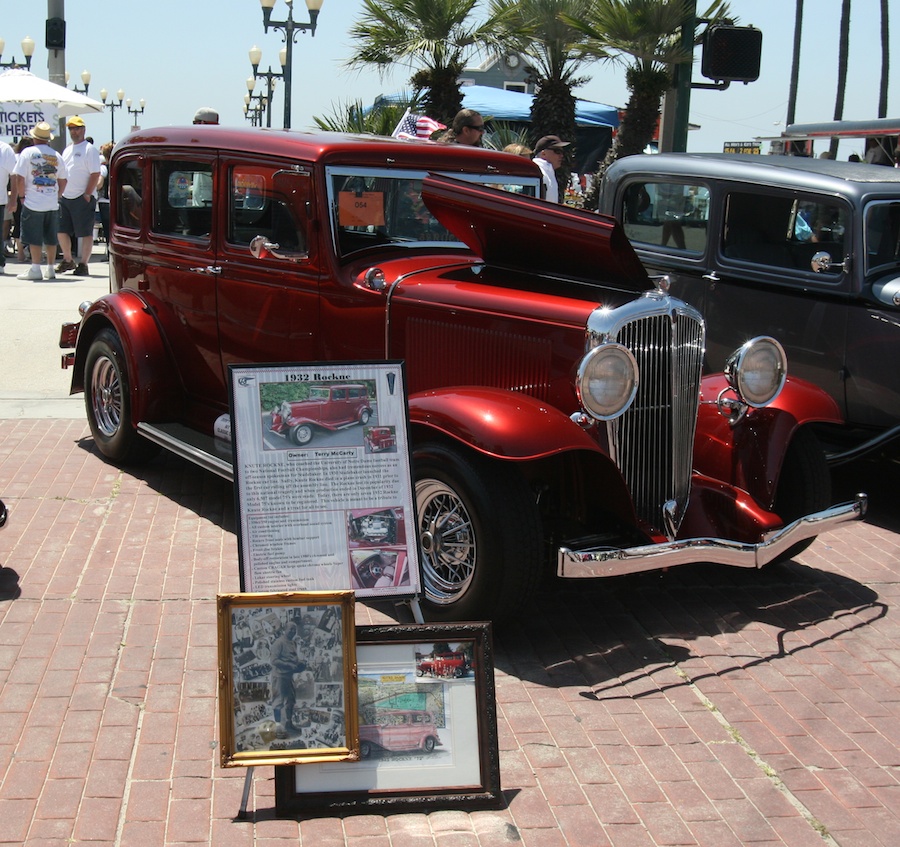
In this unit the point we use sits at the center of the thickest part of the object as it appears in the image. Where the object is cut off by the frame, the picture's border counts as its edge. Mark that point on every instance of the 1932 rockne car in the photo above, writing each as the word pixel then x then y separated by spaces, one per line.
pixel 558 417
pixel 327 407
pixel 806 250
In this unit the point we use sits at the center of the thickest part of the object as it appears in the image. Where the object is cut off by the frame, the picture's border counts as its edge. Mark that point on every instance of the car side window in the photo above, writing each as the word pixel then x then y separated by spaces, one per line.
pixel 783 231
pixel 182 198
pixel 130 191
pixel 263 200
pixel 662 214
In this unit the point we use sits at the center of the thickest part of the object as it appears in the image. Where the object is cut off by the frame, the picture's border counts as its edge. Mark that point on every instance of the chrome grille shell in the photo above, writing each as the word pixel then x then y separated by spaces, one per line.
pixel 652 443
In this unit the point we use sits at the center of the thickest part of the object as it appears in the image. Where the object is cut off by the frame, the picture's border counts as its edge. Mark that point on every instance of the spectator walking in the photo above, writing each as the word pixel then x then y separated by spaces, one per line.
pixel 549 153
pixel 7 166
pixel 467 128
pixel 78 203
pixel 40 177
pixel 103 191
pixel 16 232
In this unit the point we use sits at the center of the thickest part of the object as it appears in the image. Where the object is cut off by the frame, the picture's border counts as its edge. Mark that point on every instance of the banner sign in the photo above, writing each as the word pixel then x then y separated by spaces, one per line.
pixel 17 119
pixel 323 483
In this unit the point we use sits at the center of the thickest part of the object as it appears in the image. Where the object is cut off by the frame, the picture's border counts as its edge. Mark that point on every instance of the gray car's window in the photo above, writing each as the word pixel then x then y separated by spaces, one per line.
pixel 663 214
pixel 784 231
pixel 882 235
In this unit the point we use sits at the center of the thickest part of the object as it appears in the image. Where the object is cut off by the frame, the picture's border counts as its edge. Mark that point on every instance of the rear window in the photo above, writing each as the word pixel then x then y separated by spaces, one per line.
pixel 667 214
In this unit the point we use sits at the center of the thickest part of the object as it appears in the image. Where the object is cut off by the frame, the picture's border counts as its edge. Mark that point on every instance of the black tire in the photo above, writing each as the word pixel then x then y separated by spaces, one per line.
pixel 302 434
pixel 804 485
pixel 480 535
pixel 364 416
pixel 429 745
pixel 107 401
pixel 365 749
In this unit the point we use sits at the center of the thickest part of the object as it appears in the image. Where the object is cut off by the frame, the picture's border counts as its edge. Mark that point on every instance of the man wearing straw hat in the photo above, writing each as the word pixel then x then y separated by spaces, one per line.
pixel 39 178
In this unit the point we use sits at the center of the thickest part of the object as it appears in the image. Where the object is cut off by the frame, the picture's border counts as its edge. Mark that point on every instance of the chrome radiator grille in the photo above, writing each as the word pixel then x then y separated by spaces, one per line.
pixel 653 442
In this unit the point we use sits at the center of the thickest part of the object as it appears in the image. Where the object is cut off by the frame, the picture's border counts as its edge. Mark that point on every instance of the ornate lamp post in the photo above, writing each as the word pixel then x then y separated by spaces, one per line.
pixel 269 76
pixel 290 28
pixel 112 106
pixel 85 78
pixel 254 106
pixel 27 50
pixel 135 112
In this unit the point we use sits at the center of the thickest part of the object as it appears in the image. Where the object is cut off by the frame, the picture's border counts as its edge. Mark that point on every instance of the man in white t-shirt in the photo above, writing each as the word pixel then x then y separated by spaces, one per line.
pixel 39 178
pixel 549 154
pixel 78 203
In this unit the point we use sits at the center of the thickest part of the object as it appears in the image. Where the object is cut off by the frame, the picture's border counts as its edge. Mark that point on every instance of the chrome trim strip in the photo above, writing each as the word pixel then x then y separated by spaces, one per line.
pixel 574 564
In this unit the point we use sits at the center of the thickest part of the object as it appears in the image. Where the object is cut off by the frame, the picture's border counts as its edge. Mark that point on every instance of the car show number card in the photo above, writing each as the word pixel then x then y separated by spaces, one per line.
pixel 322 478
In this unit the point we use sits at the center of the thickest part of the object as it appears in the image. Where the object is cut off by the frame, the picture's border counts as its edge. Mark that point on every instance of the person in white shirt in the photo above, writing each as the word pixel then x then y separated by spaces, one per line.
pixel 78 203
pixel 40 177
pixel 7 166
pixel 549 153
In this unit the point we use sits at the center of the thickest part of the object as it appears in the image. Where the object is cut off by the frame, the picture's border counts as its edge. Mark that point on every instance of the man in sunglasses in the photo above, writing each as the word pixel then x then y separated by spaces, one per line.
pixel 549 154
pixel 467 128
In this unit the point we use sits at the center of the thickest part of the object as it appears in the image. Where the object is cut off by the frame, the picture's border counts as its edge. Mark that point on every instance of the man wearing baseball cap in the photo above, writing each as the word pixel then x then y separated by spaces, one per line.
pixel 549 154
pixel 39 177
pixel 78 204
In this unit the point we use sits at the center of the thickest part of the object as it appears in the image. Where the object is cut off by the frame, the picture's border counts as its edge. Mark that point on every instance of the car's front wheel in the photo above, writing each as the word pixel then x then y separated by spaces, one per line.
pixel 302 434
pixel 429 745
pixel 107 400
pixel 480 535
pixel 364 416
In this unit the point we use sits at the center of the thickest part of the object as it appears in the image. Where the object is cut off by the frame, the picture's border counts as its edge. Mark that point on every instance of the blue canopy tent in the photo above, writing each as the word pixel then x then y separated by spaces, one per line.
pixel 594 121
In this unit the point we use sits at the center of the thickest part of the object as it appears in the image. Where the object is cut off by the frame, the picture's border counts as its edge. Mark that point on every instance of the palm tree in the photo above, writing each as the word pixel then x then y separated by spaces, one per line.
pixel 380 119
pixel 556 51
pixel 434 36
pixel 843 53
pixel 644 34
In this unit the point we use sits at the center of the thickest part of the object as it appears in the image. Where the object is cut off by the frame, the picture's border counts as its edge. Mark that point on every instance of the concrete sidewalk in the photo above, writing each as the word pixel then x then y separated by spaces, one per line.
pixel 705 706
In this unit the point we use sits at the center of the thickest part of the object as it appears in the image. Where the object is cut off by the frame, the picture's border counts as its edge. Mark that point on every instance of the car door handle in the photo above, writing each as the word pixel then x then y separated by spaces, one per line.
pixel 711 276
pixel 209 270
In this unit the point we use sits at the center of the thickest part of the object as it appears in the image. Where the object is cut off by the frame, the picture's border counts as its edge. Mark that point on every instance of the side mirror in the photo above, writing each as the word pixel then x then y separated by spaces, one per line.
pixel 821 261
pixel 888 292
pixel 262 248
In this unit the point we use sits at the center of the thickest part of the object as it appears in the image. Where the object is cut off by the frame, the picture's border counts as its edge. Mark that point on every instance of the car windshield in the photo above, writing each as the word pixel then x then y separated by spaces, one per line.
pixel 372 208
pixel 882 235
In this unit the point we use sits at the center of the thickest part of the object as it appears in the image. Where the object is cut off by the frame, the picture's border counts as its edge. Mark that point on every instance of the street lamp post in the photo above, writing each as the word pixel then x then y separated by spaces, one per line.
pixel 27 50
pixel 290 28
pixel 85 78
pixel 112 106
pixel 135 112
pixel 254 106
pixel 269 76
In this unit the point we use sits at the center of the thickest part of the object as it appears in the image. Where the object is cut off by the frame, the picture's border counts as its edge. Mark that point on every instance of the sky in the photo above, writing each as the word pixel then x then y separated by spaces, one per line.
pixel 190 53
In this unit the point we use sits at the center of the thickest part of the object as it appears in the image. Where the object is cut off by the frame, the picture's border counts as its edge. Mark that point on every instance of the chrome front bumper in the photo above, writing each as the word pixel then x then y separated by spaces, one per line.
pixel 650 557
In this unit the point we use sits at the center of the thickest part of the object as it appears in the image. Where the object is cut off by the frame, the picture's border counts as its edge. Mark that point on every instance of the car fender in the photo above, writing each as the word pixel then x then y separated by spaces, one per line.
pixel 750 453
pixel 155 390
pixel 503 424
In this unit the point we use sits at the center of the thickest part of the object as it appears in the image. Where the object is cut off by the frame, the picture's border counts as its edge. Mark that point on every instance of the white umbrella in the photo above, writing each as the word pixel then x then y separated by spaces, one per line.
pixel 20 86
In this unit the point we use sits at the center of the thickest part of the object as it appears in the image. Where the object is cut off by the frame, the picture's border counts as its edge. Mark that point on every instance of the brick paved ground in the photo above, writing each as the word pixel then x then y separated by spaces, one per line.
pixel 706 706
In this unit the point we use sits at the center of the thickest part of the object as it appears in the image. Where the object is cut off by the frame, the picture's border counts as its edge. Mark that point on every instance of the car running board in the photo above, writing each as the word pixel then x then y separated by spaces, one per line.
pixel 211 454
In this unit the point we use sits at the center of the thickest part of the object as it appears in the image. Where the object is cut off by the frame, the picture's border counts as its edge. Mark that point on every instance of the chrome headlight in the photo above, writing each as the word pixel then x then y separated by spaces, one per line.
pixel 757 371
pixel 607 381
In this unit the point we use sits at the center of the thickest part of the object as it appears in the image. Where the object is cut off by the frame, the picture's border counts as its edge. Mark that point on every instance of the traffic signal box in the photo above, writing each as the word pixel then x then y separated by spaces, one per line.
pixel 731 53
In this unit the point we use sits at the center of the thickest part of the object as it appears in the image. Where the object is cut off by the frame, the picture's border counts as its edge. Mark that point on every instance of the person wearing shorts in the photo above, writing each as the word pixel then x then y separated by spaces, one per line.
pixel 39 178
pixel 78 203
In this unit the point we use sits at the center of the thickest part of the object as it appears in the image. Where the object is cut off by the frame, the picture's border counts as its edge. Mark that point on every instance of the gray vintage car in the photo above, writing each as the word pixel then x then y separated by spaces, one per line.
pixel 805 250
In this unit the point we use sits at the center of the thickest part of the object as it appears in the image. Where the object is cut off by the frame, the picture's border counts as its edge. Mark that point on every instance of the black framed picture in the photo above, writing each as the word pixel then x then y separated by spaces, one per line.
pixel 427 728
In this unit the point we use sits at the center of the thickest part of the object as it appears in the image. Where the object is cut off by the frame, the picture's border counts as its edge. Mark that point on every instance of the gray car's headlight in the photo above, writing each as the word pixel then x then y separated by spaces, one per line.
pixel 607 381
pixel 757 371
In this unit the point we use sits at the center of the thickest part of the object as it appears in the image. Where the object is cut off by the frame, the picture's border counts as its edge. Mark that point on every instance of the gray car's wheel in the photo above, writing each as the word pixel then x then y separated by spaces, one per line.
pixel 107 400
pixel 804 485
pixel 480 535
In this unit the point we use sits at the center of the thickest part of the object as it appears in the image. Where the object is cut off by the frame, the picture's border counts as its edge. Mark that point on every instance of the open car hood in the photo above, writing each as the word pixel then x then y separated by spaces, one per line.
pixel 516 232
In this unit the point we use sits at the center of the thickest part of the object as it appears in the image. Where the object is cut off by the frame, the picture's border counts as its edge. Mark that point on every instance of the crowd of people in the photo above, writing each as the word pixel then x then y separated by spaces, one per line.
pixel 51 200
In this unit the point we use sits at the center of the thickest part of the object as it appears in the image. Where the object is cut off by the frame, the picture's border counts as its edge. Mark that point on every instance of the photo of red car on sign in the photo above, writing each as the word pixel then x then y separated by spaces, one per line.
pixel 324 407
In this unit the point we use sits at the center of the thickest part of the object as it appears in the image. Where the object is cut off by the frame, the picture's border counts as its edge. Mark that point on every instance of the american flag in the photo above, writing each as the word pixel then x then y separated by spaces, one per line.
pixel 416 126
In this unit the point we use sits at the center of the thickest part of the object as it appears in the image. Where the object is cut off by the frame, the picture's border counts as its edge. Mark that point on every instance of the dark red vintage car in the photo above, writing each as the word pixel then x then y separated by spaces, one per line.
pixel 558 417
